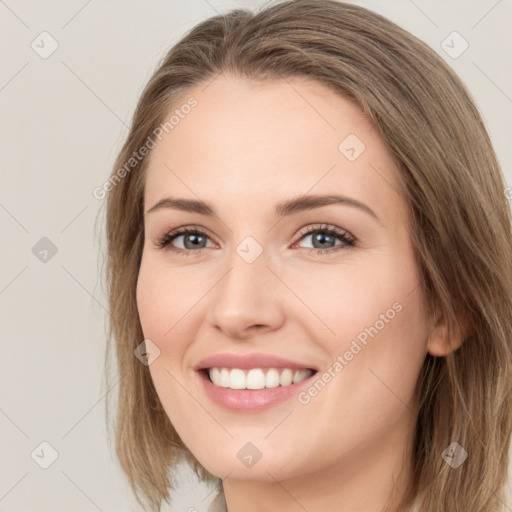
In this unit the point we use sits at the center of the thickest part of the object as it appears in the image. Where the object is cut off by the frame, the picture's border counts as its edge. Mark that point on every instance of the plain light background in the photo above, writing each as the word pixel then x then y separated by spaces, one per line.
pixel 63 120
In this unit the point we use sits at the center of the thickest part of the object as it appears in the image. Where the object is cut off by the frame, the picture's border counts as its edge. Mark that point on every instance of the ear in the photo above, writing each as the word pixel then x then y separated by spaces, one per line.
pixel 438 343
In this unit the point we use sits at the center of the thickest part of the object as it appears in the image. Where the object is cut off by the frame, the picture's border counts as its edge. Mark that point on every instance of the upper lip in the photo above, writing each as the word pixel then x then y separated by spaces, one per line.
pixel 248 361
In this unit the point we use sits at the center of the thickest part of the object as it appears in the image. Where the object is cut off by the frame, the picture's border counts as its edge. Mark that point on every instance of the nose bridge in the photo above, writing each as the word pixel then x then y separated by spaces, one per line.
pixel 248 293
pixel 248 278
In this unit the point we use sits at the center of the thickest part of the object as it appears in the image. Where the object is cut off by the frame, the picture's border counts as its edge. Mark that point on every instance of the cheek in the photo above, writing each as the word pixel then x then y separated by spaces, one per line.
pixel 372 318
pixel 160 309
pixel 168 303
pixel 374 358
pixel 159 300
pixel 343 301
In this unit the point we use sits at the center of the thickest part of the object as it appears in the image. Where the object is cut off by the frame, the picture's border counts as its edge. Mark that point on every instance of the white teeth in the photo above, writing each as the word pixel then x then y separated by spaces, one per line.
pixel 215 375
pixel 256 378
pixel 286 377
pixel 237 379
pixel 272 378
pixel 224 378
pixel 301 375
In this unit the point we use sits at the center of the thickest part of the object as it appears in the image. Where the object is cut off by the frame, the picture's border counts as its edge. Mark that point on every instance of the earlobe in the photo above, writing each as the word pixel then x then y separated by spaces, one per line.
pixel 439 343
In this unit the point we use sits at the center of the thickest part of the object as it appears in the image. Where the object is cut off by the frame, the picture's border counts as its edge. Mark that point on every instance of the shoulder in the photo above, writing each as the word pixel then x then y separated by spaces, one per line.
pixel 218 504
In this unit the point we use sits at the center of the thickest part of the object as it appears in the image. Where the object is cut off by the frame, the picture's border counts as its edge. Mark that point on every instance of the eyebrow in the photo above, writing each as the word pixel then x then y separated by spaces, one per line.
pixel 284 208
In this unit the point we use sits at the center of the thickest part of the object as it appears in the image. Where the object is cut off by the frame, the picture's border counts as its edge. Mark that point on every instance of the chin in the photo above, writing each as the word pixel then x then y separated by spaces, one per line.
pixel 241 467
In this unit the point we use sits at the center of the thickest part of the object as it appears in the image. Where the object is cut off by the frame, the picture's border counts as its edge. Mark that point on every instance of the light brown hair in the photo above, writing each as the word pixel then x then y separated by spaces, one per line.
pixel 460 226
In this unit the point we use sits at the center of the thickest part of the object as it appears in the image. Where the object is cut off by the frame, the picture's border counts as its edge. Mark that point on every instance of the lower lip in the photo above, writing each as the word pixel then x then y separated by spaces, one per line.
pixel 250 399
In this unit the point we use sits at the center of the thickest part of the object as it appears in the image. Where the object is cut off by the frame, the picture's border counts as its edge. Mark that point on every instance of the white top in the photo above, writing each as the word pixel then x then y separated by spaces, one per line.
pixel 219 504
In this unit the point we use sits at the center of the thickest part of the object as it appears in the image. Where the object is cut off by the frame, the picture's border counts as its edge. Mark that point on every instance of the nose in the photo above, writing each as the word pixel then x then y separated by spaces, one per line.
pixel 248 300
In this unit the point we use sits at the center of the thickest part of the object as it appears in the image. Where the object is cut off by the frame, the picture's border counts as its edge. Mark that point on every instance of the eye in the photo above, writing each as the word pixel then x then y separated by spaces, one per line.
pixel 324 236
pixel 194 239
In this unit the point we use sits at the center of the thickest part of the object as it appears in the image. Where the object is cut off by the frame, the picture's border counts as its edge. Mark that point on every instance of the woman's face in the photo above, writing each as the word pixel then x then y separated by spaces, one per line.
pixel 262 280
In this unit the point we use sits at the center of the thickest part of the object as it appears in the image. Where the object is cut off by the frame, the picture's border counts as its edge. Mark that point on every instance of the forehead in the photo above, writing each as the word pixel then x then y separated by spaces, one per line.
pixel 246 142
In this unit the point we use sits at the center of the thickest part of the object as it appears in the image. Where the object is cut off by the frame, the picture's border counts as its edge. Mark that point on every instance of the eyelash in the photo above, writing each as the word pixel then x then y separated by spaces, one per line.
pixel 344 236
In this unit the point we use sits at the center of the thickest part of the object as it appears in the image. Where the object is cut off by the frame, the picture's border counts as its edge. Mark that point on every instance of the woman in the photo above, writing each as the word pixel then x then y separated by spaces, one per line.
pixel 367 371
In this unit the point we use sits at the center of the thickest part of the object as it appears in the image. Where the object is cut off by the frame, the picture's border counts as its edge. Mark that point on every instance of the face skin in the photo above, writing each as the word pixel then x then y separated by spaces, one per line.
pixel 244 148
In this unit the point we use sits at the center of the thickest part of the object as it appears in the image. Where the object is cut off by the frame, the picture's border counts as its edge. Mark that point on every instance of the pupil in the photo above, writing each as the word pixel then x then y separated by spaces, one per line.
pixel 321 238
pixel 195 238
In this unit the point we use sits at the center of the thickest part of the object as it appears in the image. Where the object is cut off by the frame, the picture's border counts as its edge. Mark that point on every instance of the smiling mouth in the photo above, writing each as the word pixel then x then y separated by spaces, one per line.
pixel 256 378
